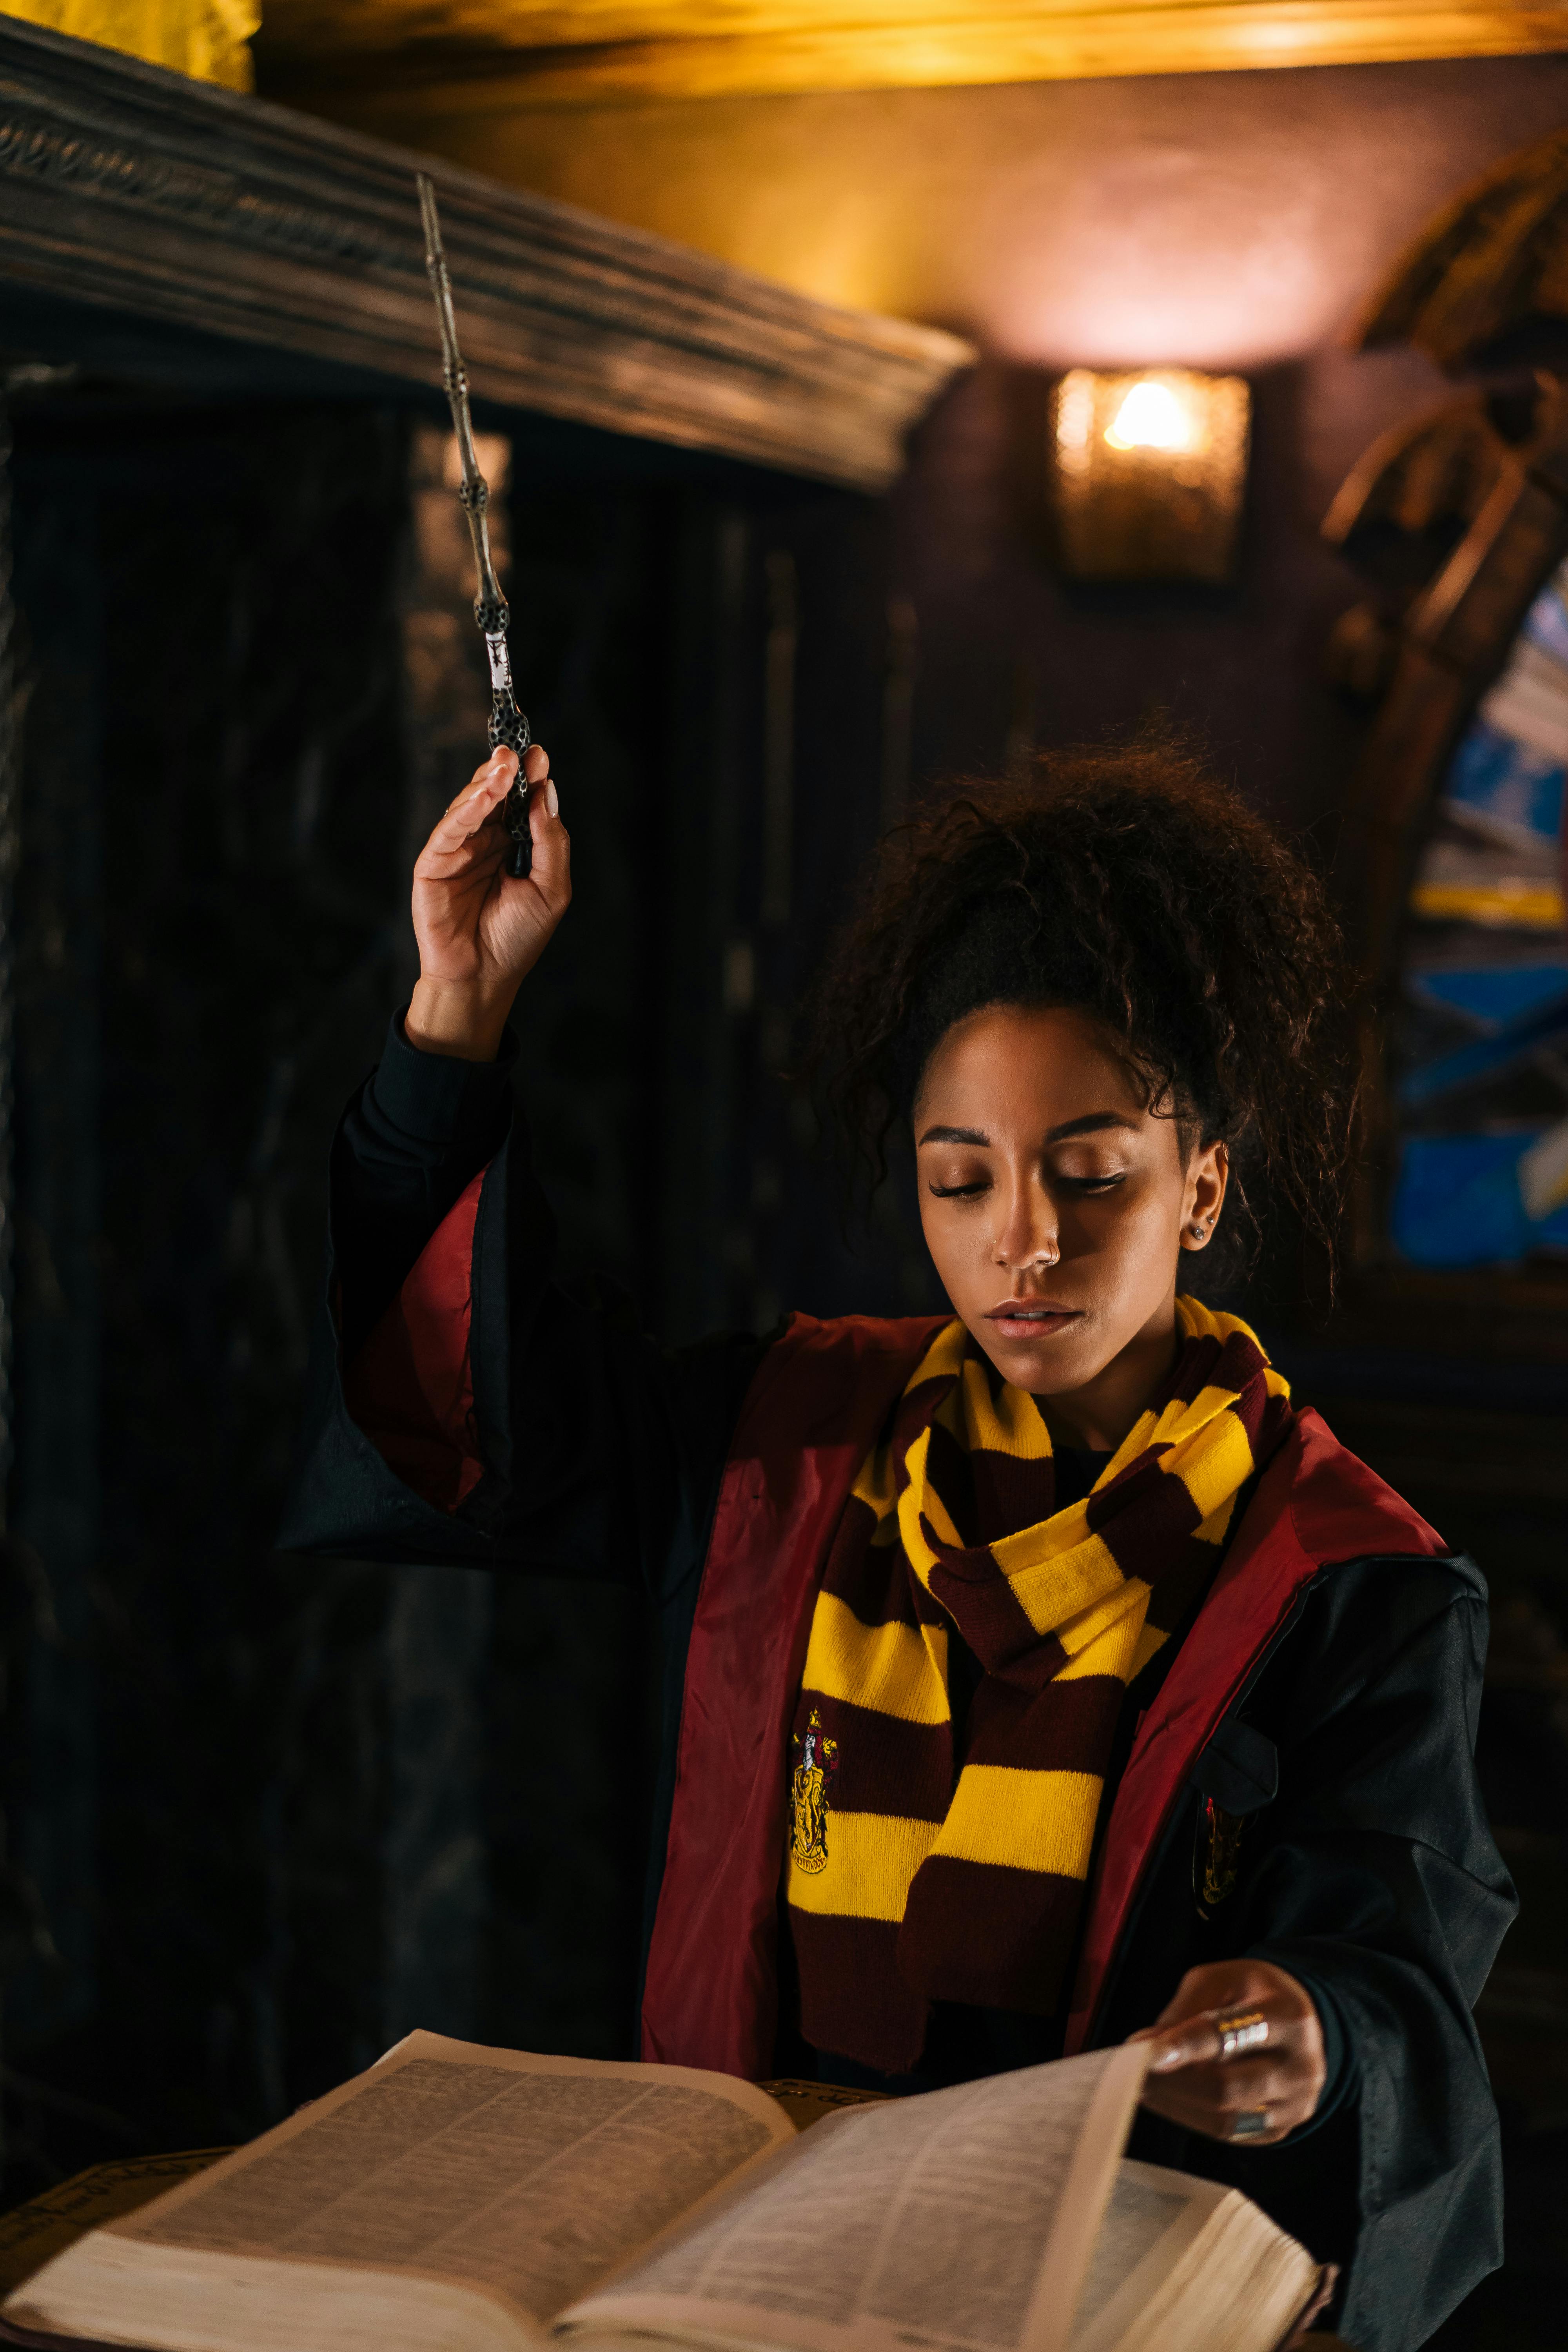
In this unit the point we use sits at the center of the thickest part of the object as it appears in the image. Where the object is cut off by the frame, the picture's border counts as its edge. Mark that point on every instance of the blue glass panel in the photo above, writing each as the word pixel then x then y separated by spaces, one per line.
pixel 1508 782
pixel 1495 993
pixel 1488 1057
pixel 1546 623
pixel 1457 1203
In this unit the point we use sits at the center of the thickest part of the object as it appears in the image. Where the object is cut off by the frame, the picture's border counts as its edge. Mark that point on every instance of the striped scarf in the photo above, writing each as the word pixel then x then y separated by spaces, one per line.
pixel 917 1875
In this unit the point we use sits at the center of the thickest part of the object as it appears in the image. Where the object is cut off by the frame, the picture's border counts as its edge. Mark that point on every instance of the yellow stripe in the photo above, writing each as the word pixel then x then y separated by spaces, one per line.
pixel 920 1496
pixel 871 1858
pixel 1219 1466
pixel 1103 1640
pixel 1151 1639
pixel 1180 1424
pixel 875 1484
pixel 1022 1820
pixel 943 1356
pixel 888 1668
pixel 1214 1529
pixel 1013 1424
pixel 1052 1593
pixel 1055 1539
pixel 1136 1442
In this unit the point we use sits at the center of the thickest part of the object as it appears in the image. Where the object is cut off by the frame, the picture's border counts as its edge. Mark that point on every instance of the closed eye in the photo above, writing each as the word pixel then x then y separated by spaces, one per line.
pixel 1091 1183
pixel 960 1192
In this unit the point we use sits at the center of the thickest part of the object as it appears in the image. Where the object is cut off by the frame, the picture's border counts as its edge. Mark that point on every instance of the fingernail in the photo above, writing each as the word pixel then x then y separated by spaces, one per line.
pixel 1163 2060
pixel 551 801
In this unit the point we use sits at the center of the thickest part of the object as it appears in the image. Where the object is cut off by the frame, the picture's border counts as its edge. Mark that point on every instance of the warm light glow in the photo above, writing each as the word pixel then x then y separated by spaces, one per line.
pixel 1150 473
pixel 1152 417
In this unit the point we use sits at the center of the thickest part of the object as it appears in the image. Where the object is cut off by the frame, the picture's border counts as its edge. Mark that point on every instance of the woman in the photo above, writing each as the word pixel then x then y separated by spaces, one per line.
pixel 1036 1676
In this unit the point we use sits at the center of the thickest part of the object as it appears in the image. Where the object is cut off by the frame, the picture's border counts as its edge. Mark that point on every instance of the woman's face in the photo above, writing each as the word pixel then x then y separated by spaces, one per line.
pixel 1056 1207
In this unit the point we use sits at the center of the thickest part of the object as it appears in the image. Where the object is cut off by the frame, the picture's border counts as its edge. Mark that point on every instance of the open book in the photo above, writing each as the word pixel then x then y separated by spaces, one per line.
pixel 455 2196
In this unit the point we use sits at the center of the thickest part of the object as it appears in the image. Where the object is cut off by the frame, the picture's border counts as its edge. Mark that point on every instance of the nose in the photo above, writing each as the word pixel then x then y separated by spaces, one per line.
pixel 1028 1236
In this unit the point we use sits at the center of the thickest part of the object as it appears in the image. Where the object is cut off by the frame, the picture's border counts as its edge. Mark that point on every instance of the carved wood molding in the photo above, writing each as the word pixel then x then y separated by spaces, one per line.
pixel 1491 264
pixel 133 191
pixel 483 55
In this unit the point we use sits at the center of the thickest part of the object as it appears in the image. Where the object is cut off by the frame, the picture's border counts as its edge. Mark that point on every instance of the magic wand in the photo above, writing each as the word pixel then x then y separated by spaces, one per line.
pixel 492 611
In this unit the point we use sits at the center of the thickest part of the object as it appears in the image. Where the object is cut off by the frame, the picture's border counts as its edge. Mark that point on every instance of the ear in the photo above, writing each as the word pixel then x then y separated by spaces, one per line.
pixel 1208 1173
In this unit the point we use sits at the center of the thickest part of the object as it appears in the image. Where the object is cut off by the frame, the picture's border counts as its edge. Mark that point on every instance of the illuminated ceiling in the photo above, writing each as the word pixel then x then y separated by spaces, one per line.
pixel 490 55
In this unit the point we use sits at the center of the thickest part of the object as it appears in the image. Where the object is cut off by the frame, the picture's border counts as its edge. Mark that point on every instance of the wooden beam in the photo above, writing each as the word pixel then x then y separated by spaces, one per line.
pixel 128 190
pixel 481 56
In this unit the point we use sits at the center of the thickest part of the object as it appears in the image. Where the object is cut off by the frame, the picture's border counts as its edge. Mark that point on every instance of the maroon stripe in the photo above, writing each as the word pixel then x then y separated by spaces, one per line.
pixel 1192 1374
pixel 1066 1727
pixel 1265 1419
pixel 853 2001
pixel 1103 1502
pixel 877 1584
pixel 1010 1495
pixel 1180 1585
pixel 1149 1540
pixel 988 1614
pixel 1240 1362
pixel 882 1765
pixel 1035 1664
pixel 928 1610
pixel 948 1470
pixel 1001 1939
pixel 856 1527
pixel 915 1408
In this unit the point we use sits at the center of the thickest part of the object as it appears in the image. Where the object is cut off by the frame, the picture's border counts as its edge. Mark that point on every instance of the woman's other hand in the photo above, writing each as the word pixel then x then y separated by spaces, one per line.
pixel 479 928
pixel 1269 2089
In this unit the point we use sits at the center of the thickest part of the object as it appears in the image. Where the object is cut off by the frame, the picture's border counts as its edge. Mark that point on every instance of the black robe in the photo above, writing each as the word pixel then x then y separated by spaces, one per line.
pixel 1371 1874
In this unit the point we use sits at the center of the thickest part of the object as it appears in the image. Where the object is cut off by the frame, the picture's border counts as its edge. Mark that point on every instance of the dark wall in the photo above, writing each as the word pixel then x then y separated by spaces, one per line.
pixel 278 1812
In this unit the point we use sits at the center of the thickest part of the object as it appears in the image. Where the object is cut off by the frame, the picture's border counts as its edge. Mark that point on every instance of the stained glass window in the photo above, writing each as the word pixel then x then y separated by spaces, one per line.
pixel 1480 1060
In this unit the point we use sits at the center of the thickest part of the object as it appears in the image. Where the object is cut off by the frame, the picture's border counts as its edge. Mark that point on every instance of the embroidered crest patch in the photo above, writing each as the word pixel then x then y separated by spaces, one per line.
pixel 1222 1858
pixel 810 1784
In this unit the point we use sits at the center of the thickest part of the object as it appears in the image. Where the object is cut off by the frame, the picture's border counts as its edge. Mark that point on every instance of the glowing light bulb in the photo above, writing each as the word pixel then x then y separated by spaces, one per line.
pixel 1150 417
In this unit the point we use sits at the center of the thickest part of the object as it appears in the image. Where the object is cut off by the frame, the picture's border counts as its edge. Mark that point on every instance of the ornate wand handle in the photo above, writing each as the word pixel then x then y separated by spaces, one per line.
pixel 492 611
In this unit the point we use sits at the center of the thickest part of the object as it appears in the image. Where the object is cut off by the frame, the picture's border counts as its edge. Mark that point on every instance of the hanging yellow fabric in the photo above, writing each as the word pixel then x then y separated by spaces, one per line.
pixel 208 39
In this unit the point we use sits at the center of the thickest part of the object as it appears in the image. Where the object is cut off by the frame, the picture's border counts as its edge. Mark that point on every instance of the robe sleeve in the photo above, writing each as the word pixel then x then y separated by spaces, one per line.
pixel 1380 1883
pixel 462 1403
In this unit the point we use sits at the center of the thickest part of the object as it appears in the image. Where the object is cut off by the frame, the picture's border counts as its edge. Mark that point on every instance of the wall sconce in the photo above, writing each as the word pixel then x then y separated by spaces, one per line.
pixel 1151 468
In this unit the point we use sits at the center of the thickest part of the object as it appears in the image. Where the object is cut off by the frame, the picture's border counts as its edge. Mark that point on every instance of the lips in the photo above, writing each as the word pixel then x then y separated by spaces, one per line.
pixel 1031 1319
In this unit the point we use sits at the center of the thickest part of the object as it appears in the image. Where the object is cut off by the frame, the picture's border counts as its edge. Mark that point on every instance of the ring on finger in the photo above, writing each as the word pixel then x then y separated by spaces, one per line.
pixel 1241 2029
pixel 1252 2122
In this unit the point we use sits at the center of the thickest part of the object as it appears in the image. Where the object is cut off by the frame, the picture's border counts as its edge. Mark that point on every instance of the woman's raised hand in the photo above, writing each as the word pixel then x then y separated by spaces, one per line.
pixel 479 928
pixel 1274 2079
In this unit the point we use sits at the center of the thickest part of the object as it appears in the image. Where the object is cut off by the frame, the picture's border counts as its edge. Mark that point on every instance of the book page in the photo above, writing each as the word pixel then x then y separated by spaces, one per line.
pixel 962 2222
pixel 527 2178
pixel 1188 2266
pixel 1152 2218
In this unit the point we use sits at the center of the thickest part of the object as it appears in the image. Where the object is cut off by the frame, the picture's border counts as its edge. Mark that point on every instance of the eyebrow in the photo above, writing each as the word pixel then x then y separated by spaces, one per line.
pixel 1093 1123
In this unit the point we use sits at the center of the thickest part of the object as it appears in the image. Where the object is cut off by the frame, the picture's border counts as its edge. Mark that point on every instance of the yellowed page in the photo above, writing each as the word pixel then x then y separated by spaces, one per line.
pixel 1155 2218
pixel 523 2179
pixel 113 2290
pixel 961 2221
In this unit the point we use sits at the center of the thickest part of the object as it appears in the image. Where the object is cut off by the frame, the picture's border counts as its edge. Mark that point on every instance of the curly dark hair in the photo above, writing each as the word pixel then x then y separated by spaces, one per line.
pixel 1130 885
